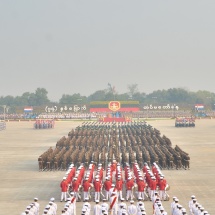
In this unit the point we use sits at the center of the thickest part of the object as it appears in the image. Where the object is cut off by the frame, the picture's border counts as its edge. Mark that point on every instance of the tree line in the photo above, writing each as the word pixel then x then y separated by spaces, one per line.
pixel 173 96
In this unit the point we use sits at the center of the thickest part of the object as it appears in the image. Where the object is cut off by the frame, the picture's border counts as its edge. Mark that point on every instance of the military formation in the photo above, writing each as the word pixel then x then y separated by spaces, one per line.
pixel 44 124
pixel 120 191
pixel 118 166
pixel 115 190
pixel 114 186
pixel 138 182
pixel 34 208
pixel 194 207
pixel 185 122
pixel 104 142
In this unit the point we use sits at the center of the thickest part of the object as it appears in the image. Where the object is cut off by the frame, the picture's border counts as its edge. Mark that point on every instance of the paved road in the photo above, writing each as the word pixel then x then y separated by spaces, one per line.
pixel 21 182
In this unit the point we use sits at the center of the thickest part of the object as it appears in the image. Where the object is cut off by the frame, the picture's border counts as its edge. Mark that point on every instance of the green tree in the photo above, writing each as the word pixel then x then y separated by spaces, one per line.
pixel 110 96
pixel 99 95
pixel 73 99
pixel 122 97
pixel 177 95
pixel 32 100
pixel 139 97
pixel 7 100
pixel 172 95
pixel 132 90
pixel 27 99
pixel 41 96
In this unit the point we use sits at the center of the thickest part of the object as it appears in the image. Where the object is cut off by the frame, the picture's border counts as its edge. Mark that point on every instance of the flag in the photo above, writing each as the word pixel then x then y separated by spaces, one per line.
pixel 28 109
pixel 199 107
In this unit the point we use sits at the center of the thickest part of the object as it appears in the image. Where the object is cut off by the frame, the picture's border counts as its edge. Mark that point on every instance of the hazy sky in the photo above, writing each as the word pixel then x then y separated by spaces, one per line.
pixel 80 46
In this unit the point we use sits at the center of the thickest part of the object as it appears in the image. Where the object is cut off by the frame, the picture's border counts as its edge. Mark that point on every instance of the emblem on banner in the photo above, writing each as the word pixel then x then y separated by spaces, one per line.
pixel 114 105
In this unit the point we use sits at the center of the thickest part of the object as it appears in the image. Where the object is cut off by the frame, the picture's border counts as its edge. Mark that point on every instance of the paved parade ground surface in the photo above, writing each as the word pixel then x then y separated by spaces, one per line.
pixel 21 145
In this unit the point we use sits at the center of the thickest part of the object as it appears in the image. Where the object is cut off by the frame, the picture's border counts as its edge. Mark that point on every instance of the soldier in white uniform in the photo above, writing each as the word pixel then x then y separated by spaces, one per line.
pixel 114 203
pixel 201 211
pixel 142 211
pixel 132 209
pixel 175 206
pixel 84 211
pixel 155 197
pixel 73 202
pixel 33 208
pixel 179 210
pixel 162 211
pixel 52 208
pixel 70 209
pixel 48 209
pixel 193 206
pixel 157 206
pixel 120 209
pixel 139 204
pixel 87 206
pixel 172 205
pixel 123 204
pixel 97 208
pixel 54 205
pixel 190 204
pixel 37 205
pixel 104 205
pixel 28 208
pixel 183 210
pixel 66 211
pixel 124 212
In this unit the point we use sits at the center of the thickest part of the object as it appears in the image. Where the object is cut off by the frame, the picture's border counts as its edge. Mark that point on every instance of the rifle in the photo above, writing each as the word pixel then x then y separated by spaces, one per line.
pixel 68 190
pixel 145 193
pixel 102 194
pixel 167 187
pixel 89 192
pixel 101 191
pixel 77 193
pixel 132 195
pixel 167 196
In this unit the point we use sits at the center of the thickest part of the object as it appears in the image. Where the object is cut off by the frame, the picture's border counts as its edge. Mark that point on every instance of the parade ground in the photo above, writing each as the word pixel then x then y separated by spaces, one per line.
pixel 21 145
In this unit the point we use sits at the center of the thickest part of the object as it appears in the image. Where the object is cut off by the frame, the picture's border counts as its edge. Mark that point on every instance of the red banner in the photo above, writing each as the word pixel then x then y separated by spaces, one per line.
pixel 112 203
